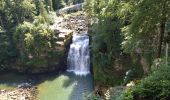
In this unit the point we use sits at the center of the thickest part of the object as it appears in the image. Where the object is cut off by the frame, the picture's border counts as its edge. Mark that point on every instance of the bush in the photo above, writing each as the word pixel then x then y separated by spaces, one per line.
pixel 102 70
pixel 37 62
pixel 51 17
pixel 33 42
pixel 33 39
pixel 92 96
pixel 116 93
pixel 154 87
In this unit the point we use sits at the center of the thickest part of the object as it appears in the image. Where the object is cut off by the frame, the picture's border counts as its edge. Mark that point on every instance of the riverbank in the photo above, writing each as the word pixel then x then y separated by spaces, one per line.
pixel 19 94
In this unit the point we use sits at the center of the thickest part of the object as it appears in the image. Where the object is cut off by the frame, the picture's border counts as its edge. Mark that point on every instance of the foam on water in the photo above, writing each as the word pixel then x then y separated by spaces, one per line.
pixel 78 60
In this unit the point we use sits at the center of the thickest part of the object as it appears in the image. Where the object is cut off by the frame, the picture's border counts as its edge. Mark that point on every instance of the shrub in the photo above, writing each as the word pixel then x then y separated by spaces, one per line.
pixel 33 42
pixel 92 96
pixel 37 62
pixel 116 93
pixel 156 86
pixel 51 17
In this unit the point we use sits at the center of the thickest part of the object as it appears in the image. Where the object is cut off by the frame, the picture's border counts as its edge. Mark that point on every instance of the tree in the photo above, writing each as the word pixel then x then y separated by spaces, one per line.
pixel 145 32
pixel 49 5
pixel 33 41
pixel 42 10
pixel 57 4
pixel 4 48
pixel 17 38
pixel 107 38
pixel 147 25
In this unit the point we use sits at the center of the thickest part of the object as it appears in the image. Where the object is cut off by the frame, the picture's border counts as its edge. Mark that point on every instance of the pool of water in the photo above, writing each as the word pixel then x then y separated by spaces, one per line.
pixel 64 86
pixel 10 81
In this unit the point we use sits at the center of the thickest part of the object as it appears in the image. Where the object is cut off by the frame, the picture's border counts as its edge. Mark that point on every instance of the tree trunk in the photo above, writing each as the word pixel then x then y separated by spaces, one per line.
pixel 145 65
pixel 1 23
pixel 162 31
pixel 166 55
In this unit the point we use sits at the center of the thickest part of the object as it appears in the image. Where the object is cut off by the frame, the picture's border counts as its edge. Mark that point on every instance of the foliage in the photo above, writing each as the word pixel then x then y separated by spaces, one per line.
pixel 24 31
pixel 143 31
pixel 167 35
pixel 17 11
pixel 91 96
pixel 70 2
pixel 107 38
pixel 116 92
pixel 49 5
pixel 12 13
pixel 51 17
pixel 4 51
pixel 58 4
pixel 37 63
pixel 156 86
pixel 44 9
pixel 131 26
pixel 33 40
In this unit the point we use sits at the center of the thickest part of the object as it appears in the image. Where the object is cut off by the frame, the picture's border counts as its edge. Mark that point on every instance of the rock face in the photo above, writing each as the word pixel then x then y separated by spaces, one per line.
pixel 18 94
pixel 64 27
pixel 77 22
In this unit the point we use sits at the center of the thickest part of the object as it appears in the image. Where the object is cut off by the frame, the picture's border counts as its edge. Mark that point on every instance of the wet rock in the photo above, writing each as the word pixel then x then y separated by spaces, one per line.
pixel 65 26
pixel 24 85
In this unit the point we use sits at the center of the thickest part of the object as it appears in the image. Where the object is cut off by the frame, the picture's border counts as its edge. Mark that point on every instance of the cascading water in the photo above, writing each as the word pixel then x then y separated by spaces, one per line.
pixel 78 60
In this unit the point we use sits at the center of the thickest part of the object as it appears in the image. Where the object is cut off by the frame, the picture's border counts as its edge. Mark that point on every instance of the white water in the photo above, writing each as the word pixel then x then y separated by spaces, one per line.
pixel 78 60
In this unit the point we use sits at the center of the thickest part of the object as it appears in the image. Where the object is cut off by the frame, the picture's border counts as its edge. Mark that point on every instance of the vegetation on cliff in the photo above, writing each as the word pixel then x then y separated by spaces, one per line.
pixel 27 41
pixel 127 37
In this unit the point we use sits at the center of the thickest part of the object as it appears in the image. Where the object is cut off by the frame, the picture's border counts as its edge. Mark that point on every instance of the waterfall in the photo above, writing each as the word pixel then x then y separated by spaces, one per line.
pixel 78 60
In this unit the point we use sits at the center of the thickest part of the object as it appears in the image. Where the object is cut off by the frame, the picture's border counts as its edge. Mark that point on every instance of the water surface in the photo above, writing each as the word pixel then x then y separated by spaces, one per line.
pixel 64 86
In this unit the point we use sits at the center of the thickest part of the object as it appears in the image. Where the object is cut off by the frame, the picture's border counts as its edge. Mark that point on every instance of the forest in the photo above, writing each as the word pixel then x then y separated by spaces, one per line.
pixel 116 49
